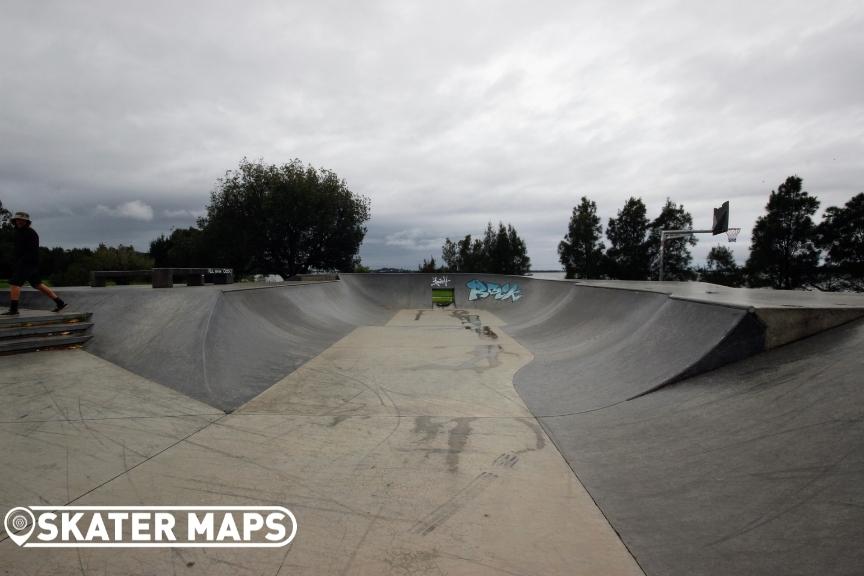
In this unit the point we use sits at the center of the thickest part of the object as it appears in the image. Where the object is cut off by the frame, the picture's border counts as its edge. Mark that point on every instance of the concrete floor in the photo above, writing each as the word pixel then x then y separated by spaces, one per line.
pixel 401 449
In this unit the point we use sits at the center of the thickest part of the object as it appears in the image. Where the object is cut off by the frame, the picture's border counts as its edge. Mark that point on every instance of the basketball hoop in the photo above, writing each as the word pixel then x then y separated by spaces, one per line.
pixel 721 225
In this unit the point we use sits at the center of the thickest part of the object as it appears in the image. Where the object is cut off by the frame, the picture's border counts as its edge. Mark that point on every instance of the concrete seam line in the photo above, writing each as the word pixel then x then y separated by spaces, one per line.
pixel 115 477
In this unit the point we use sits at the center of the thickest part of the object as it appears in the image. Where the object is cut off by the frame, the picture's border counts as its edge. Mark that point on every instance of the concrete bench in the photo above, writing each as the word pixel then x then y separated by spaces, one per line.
pixel 99 278
pixel 164 277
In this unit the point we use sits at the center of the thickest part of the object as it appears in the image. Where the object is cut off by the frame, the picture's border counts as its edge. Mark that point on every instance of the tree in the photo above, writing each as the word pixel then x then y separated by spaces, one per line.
pixel 70 267
pixel 184 248
pixel 676 257
pixel 5 215
pixel 507 251
pixel 120 258
pixel 284 220
pixel 841 235
pixel 628 251
pixel 721 268
pixel 359 267
pixel 429 266
pixel 501 251
pixel 7 235
pixel 581 251
pixel 466 255
pixel 782 250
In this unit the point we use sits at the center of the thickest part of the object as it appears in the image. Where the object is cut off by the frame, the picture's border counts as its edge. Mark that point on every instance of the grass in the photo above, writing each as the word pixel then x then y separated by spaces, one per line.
pixel 5 284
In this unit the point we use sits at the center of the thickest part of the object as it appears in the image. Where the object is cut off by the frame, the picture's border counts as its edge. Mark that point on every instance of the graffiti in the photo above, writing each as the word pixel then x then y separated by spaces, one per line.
pixel 480 290
pixel 440 281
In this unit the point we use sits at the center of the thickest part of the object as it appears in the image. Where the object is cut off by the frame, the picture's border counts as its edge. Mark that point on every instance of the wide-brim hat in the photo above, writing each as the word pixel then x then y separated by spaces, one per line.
pixel 20 216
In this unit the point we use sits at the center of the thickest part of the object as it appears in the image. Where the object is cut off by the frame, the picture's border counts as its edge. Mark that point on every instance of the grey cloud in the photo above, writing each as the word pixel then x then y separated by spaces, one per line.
pixel 134 210
pixel 446 116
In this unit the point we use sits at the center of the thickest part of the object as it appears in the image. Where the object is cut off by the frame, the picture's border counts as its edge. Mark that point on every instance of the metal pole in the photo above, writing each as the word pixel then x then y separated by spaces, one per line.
pixel 662 251
pixel 664 234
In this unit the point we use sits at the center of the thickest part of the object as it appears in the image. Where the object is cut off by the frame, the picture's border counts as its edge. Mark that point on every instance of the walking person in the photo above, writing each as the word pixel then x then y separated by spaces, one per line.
pixel 26 265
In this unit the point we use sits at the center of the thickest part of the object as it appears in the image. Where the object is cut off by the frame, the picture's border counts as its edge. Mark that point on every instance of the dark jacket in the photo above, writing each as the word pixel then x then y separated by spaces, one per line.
pixel 26 254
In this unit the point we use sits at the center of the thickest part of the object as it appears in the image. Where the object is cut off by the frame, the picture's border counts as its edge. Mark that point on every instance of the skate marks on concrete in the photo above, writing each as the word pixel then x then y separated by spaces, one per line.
pixel 394 461
pixel 71 421
pixel 444 369
pixel 755 468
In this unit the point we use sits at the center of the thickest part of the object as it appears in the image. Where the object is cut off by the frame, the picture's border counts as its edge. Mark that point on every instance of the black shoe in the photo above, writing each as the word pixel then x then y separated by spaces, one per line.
pixel 10 313
pixel 60 306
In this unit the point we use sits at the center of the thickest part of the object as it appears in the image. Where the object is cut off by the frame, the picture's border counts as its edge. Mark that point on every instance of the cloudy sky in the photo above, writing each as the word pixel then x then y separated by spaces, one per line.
pixel 116 118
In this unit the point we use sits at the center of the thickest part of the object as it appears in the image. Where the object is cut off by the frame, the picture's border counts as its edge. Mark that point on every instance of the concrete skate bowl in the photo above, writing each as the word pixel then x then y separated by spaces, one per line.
pixel 593 346
pixel 756 466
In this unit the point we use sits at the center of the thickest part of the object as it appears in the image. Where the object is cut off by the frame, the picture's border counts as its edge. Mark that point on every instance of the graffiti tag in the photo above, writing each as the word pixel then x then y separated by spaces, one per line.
pixel 440 281
pixel 480 290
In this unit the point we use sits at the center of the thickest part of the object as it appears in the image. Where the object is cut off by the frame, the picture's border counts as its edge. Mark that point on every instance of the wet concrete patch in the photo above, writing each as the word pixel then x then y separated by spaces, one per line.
pixel 473 322
pixel 457 440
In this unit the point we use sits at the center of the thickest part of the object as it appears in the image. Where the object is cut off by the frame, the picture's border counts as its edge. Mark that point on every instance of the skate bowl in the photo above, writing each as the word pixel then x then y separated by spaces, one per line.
pixel 718 431
pixel 224 346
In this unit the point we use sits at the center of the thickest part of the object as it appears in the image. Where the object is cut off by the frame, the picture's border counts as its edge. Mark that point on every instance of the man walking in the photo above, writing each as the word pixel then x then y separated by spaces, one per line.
pixel 26 265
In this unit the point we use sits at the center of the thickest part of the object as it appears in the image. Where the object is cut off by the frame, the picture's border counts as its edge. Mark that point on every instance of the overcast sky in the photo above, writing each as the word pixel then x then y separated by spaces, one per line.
pixel 116 118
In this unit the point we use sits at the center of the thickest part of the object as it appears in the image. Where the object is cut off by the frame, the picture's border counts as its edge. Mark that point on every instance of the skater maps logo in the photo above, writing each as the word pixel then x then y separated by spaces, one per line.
pixel 150 526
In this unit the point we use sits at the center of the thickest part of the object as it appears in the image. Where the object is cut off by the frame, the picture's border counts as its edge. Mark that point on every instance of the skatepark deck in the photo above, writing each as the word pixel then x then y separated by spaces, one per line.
pixel 709 443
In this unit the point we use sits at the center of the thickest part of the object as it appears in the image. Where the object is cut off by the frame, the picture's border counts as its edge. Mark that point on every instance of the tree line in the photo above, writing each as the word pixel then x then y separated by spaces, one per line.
pixel 262 219
pixel 70 267
pixel 788 249
pixel 291 219
pixel 499 251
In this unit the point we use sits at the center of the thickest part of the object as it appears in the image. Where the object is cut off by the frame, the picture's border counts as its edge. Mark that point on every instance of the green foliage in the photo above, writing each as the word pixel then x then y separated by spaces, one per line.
pixel 60 267
pixel 466 255
pixel 841 236
pixel 120 258
pixel 677 257
pixel 628 252
pixel 284 220
pixel 581 251
pixel 500 251
pixel 721 268
pixel 184 248
pixel 66 267
pixel 782 251
pixel 430 266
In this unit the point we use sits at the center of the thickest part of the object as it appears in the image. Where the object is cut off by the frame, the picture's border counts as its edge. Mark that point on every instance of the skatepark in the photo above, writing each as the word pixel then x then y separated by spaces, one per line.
pixel 532 427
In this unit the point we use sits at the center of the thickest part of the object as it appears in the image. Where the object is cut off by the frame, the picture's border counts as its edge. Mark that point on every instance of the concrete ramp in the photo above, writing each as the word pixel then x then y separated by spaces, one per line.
pixel 221 346
pixel 755 468
pixel 608 346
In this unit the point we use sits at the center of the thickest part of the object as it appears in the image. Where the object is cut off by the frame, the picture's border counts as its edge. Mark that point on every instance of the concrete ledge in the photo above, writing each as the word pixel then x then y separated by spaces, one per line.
pixel 785 325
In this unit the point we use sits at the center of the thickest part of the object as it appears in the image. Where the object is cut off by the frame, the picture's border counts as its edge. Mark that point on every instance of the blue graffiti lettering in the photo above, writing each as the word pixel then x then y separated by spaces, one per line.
pixel 480 290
